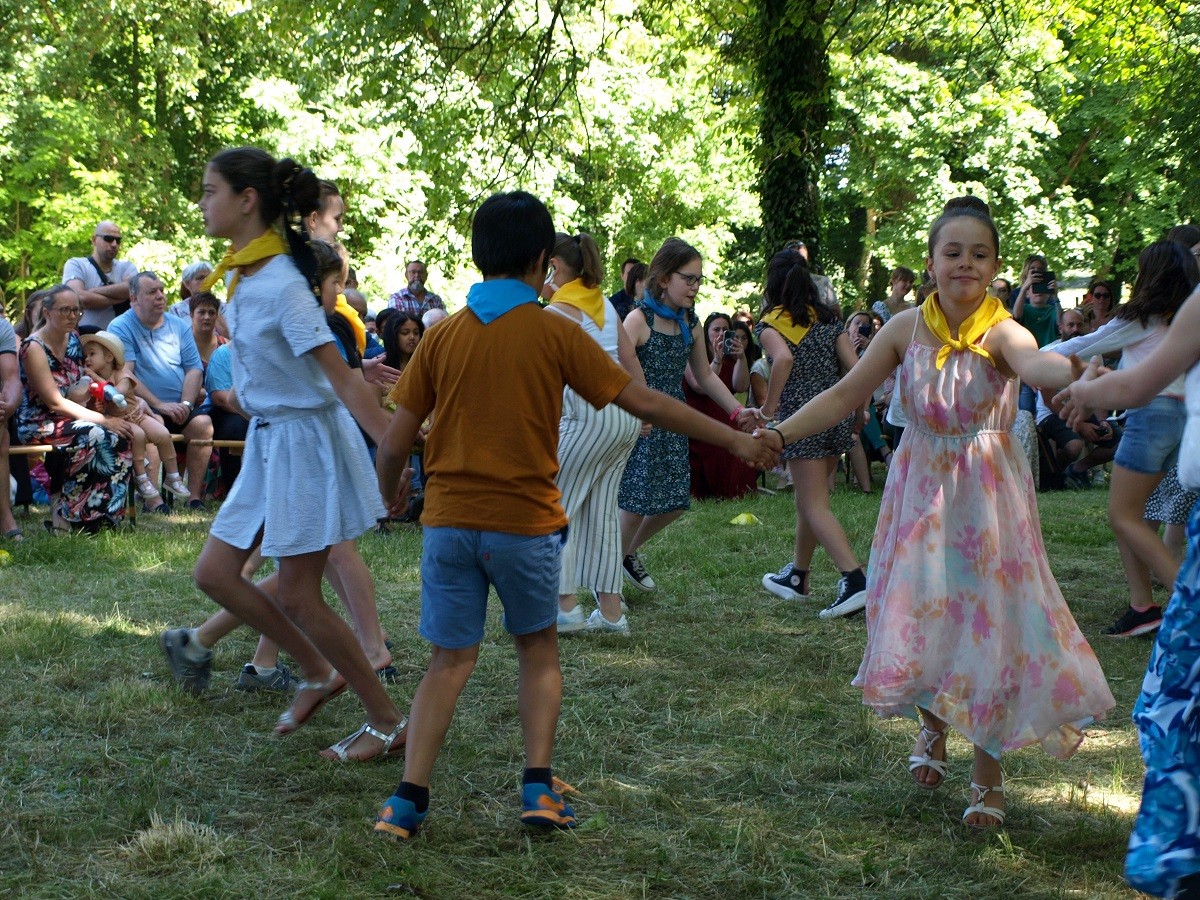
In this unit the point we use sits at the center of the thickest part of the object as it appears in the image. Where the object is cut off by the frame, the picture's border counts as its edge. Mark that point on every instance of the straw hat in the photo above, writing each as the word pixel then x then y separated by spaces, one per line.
pixel 109 342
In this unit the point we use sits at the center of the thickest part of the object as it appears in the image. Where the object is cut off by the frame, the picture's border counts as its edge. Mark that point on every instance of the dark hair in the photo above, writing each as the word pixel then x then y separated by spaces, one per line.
pixel 325 190
pixel 1167 273
pixel 581 255
pixel 27 325
pixel 203 298
pixel 381 317
pixel 389 333
pixel 329 259
pixel 674 252
pixel 285 189
pixel 790 287
pixel 509 233
pixel 964 207
pixel 636 274
pixel 709 319
pixel 1007 283
pixel 1098 282
pixel 1187 235
pixel 631 261
pixel 902 273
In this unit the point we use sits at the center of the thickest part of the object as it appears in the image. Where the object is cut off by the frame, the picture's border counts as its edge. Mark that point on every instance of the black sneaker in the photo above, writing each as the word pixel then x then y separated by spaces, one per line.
pixel 278 680
pixel 851 597
pixel 636 572
pixel 789 583
pixel 1132 622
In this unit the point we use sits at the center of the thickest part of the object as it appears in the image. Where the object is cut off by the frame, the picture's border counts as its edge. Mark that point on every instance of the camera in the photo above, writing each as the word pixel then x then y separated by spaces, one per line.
pixel 1042 286
pixel 865 330
pixel 729 343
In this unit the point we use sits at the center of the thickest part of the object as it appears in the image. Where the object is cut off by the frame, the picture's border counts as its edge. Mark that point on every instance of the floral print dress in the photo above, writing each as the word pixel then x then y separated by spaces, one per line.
pixel 91 476
pixel 964 617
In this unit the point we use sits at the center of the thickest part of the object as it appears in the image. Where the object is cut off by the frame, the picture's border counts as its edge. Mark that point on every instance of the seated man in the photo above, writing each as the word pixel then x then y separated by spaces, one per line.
pixel 229 424
pixel 161 352
pixel 10 402
pixel 1075 460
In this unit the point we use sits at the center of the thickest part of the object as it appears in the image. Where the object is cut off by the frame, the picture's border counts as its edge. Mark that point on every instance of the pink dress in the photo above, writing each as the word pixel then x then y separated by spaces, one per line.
pixel 964 617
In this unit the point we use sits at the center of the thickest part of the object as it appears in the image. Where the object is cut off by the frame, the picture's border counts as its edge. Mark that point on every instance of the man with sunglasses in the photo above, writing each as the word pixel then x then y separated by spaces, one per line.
pixel 101 280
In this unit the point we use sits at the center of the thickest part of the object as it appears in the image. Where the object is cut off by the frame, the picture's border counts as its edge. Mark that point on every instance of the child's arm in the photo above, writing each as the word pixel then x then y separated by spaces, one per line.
pixel 1137 386
pixel 391 454
pixel 360 398
pixel 829 407
pixel 636 327
pixel 1016 347
pixel 627 356
pixel 781 367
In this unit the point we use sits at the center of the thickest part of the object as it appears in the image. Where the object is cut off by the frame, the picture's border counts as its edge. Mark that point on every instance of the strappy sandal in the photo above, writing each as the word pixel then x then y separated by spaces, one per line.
pixel 983 809
pixel 393 744
pixel 289 722
pixel 175 485
pixel 930 737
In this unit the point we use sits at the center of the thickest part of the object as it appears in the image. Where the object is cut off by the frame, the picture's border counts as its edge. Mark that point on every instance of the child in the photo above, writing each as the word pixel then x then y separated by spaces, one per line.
pixel 492 514
pixel 809 350
pixel 668 337
pixel 104 357
pixel 964 619
pixel 304 486
pixel 1164 850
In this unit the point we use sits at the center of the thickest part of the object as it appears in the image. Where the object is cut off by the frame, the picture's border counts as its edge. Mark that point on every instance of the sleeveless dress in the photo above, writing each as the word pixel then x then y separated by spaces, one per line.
pixel 815 368
pixel 964 617
pixel 657 478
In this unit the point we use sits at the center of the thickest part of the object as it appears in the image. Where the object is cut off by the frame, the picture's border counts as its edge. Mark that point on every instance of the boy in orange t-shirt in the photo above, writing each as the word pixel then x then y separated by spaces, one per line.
pixel 492 514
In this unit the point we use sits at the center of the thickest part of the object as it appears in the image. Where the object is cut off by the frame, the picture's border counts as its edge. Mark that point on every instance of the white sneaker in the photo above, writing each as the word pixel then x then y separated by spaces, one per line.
pixel 789 584
pixel 570 622
pixel 597 624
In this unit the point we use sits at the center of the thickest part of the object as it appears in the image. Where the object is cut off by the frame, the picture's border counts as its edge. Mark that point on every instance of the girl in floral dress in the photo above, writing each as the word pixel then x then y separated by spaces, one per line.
pixel 965 622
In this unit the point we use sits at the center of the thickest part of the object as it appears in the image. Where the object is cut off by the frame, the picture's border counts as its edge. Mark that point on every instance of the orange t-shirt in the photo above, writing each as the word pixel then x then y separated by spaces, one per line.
pixel 491 458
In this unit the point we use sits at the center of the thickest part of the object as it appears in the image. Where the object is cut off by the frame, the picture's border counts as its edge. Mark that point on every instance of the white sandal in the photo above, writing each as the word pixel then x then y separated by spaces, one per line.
pixel 145 486
pixel 983 809
pixel 288 721
pixel 915 762
pixel 175 485
pixel 393 744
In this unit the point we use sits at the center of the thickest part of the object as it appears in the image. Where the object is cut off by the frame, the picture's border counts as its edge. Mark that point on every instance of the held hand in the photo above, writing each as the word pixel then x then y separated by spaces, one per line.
pixel 1093 433
pixel 398 505
pixel 756 451
pixel 645 430
pixel 176 412
pixel 860 421
pixel 1077 398
pixel 119 425
pixel 377 372
pixel 750 419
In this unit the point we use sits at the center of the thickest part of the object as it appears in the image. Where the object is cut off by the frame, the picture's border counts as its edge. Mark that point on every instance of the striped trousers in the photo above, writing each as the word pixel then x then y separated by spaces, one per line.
pixel 593 446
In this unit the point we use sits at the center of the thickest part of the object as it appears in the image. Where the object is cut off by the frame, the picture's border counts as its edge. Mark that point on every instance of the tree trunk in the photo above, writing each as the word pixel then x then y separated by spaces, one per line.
pixel 863 278
pixel 793 72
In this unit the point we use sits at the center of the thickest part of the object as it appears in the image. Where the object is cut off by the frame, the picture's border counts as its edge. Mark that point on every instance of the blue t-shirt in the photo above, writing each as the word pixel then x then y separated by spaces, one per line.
pixel 8 337
pixel 219 376
pixel 162 356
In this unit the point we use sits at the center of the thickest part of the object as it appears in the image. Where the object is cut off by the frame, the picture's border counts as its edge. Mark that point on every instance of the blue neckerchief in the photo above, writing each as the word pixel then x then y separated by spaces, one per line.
pixel 677 315
pixel 489 300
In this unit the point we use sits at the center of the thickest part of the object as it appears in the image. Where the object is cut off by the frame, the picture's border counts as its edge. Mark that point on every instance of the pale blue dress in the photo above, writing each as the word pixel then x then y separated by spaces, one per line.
pixel 306 479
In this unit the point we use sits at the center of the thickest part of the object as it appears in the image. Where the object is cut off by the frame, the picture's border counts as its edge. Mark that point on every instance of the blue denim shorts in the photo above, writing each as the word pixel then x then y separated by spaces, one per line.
pixel 458 566
pixel 1150 444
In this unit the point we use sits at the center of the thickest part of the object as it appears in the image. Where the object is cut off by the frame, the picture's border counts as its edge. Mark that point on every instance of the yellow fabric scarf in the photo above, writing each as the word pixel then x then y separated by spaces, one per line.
pixel 586 299
pixel 973 327
pixel 350 315
pixel 266 245
pixel 781 321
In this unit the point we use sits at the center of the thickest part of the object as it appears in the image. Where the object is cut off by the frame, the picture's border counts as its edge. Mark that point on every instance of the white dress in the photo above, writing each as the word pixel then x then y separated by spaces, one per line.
pixel 306 479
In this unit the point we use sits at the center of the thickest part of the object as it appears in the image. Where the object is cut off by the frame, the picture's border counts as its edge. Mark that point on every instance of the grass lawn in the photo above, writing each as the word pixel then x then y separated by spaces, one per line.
pixel 719 751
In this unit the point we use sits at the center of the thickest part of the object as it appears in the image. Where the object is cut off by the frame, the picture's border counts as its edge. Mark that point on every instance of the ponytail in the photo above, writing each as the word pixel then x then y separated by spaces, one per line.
pixel 581 255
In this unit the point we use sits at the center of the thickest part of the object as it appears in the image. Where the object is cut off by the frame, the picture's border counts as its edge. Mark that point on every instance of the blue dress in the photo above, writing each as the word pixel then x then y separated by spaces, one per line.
pixel 658 475
pixel 1165 844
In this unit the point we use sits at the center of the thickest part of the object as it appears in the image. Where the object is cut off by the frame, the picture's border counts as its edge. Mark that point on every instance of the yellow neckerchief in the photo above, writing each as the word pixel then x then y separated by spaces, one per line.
pixel 973 327
pixel 266 245
pixel 350 315
pixel 780 319
pixel 585 299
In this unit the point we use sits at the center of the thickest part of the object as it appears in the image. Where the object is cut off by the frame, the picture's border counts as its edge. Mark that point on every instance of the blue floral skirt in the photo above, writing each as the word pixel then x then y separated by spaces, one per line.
pixel 1165 845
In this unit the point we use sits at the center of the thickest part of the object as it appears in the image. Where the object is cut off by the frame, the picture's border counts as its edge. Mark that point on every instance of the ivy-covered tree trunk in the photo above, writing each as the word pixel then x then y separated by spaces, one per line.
pixel 793 72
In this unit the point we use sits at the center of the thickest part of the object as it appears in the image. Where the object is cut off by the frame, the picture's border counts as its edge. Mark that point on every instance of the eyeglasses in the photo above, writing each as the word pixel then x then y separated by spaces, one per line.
pixel 1099 296
pixel 72 312
pixel 110 238
pixel 691 280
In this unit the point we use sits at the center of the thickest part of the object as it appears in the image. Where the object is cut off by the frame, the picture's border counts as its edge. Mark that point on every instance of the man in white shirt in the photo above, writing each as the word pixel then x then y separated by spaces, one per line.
pixel 101 280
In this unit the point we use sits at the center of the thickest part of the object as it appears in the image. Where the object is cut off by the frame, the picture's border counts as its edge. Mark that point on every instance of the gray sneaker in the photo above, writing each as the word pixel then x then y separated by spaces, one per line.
pixel 278 680
pixel 192 677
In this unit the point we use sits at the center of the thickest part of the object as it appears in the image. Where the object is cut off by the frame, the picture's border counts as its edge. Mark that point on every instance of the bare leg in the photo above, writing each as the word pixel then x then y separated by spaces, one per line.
pixel 924 774
pixel 650 526
pixel 986 771
pixel 861 466
pixel 539 694
pixel 351 580
pixel 610 606
pixel 1142 552
pixel 812 502
pixel 7 521
pixel 433 709
pixel 199 428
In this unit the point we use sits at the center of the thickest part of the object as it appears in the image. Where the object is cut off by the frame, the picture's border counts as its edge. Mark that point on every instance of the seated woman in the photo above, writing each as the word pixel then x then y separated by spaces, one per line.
pixel 861 327
pixel 716 472
pixel 88 481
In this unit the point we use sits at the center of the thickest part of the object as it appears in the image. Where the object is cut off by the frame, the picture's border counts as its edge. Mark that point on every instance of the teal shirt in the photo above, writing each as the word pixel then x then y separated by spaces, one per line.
pixel 1042 322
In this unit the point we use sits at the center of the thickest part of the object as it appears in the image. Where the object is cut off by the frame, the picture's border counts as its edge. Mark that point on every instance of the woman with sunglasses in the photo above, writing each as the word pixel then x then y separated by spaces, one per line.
pixel 668 338
pixel 88 478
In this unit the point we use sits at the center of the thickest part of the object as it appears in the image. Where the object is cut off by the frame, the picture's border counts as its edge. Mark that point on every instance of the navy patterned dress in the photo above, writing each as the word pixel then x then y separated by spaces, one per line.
pixel 1165 845
pixel 657 478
